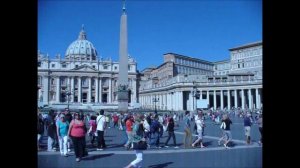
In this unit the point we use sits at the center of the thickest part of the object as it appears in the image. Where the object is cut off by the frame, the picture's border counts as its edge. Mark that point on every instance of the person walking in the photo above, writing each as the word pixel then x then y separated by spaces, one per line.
pixel 138 135
pixel 129 127
pixel 62 132
pixel 260 128
pixel 77 133
pixel 170 129
pixel 101 125
pixel 40 129
pixel 92 129
pixel 200 124
pixel 247 128
pixel 187 139
pixel 226 136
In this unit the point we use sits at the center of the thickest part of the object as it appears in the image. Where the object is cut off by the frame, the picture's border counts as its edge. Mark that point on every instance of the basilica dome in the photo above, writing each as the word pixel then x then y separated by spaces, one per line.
pixel 81 49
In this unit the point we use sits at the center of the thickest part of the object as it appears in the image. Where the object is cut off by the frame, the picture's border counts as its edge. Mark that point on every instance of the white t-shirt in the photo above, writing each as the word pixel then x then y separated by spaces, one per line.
pixel 199 123
pixel 100 121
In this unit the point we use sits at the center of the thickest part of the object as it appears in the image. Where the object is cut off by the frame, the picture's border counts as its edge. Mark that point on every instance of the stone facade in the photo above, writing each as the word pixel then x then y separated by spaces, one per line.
pixel 81 77
pixel 224 84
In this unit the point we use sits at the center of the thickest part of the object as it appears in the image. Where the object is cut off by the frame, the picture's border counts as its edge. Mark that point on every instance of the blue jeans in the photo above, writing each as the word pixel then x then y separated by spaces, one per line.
pixel 155 139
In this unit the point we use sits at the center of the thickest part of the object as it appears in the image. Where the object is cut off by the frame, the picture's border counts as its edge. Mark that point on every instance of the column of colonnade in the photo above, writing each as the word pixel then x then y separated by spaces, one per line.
pixel 57 99
pixel 97 90
pixel 89 95
pixel 227 97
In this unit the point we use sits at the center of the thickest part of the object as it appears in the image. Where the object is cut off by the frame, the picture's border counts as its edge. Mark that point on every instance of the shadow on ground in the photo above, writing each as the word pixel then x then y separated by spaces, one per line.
pixel 208 143
pixel 97 156
pixel 162 165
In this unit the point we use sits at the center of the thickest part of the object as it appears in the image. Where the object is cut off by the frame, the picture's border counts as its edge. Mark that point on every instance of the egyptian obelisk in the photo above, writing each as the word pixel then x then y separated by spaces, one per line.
pixel 123 64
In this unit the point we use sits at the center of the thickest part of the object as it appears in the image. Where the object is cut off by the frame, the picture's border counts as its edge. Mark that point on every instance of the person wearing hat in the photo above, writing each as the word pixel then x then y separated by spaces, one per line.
pixel 62 132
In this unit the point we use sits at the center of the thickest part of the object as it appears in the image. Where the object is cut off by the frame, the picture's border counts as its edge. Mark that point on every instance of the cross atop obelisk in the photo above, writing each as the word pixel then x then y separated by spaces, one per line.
pixel 123 64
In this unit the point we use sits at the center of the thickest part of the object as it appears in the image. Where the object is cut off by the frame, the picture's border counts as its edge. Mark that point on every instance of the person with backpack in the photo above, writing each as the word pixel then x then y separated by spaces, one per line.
pixel 155 127
pixel 129 127
pixel 138 137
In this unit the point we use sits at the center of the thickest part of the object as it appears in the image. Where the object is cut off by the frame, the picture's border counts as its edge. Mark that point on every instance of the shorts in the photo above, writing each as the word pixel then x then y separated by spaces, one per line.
pixel 247 130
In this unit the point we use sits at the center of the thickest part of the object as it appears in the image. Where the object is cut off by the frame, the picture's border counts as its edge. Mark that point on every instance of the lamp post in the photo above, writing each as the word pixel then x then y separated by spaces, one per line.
pixel 155 100
pixel 68 93
pixel 195 96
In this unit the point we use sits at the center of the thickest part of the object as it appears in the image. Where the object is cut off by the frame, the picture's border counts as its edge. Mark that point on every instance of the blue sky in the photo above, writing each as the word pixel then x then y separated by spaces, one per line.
pixel 203 29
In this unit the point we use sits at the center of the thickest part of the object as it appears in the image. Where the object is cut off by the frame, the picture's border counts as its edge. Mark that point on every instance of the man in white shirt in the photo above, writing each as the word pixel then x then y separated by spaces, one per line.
pixel 101 125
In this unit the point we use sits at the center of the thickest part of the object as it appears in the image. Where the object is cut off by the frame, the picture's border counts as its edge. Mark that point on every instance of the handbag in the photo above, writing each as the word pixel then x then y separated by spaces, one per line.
pixel 141 145
pixel 223 125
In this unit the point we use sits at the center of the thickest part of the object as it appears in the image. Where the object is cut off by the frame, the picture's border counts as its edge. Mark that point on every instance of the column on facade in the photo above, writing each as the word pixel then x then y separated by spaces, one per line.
pixel 221 99
pixel 58 89
pixel 235 98
pixel 45 89
pixel 215 100
pixel 228 99
pixel 250 98
pixel 97 90
pixel 178 100
pixel 158 103
pixel 172 100
pixel 180 103
pixel 161 99
pixel 257 98
pixel 142 100
pixel 243 99
pixel 100 90
pixel 134 91
pixel 149 100
pixel 207 97
pixel 166 100
pixel 89 96
pixel 69 83
pixel 109 90
pixel 201 94
pixel 192 101
pixel 40 94
pixel 72 90
pixel 79 89
pixel 153 101
pixel 164 96
pixel 162 102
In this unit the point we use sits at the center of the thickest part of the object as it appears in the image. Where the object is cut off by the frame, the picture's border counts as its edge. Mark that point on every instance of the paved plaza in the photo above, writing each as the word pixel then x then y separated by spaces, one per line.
pixel 115 155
